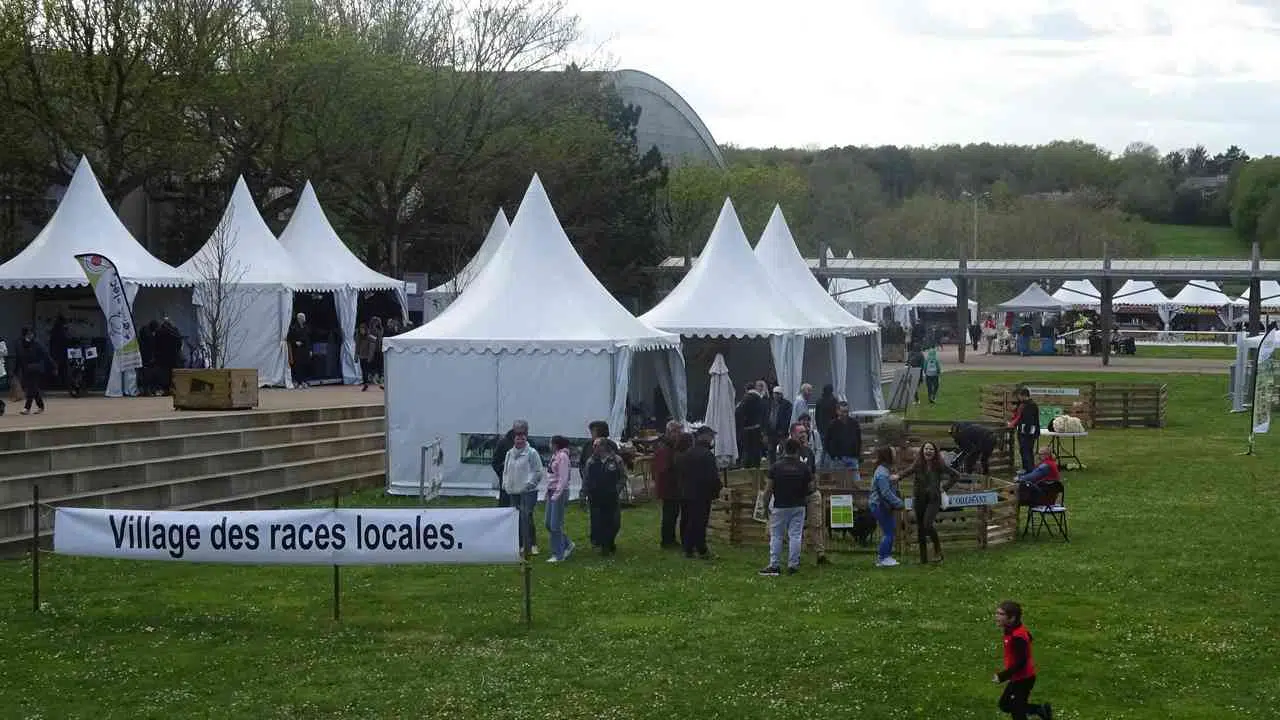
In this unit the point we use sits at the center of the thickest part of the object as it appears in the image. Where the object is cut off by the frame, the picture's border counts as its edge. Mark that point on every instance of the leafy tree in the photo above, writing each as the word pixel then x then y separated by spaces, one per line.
pixel 1251 194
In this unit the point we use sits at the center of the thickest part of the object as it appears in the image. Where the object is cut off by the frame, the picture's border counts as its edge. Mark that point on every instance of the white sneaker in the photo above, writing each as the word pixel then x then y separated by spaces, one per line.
pixel 553 560
pixel 568 551
pixel 533 550
pixel 887 562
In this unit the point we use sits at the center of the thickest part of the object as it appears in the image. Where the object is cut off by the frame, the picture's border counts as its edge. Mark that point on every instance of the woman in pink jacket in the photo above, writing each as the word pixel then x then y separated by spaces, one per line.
pixel 558 499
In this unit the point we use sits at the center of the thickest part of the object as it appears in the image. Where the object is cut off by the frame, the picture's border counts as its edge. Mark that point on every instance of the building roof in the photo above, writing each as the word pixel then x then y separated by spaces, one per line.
pixel 534 295
pixel 85 223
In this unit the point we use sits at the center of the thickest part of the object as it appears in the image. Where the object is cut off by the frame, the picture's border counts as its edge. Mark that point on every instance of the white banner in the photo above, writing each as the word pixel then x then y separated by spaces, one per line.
pixel 109 290
pixel 961 500
pixel 346 536
pixel 1264 380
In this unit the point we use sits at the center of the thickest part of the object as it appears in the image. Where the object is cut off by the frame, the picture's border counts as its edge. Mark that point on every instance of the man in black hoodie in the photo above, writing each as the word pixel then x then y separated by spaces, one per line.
pixel 976 443
pixel 700 485
pixel 843 440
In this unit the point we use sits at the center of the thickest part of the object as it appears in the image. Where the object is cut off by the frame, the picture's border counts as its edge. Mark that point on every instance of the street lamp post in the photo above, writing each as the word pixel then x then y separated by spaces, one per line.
pixel 973 283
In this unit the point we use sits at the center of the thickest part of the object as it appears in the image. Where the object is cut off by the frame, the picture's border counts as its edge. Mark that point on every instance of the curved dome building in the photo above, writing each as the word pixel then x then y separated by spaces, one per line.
pixel 667 121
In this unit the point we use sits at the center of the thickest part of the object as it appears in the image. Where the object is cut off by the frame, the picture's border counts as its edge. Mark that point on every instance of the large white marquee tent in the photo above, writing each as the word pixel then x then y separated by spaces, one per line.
pixel 852 364
pixel 320 256
pixel 1080 295
pixel 1269 294
pixel 534 336
pixel 1139 296
pixel 436 299
pixel 1033 299
pixel 1201 297
pixel 728 303
pixel 256 277
pixel 85 223
pixel 940 295
pixel 862 298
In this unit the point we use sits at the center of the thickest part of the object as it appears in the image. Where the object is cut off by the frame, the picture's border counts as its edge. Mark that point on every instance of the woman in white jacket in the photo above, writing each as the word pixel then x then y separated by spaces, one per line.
pixel 521 475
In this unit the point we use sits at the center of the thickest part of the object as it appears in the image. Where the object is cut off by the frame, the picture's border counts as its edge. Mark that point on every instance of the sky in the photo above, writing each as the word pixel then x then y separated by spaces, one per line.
pixel 816 73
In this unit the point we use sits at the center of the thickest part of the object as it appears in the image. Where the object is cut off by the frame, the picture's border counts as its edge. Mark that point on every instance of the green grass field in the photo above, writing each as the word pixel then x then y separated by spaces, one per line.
pixel 1187 353
pixel 1197 241
pixel 1162 606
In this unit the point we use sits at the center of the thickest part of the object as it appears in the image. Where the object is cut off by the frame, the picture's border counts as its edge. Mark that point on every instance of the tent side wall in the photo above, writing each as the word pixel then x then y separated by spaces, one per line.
pixel 863 376
pixel 259 319
pixel 447 395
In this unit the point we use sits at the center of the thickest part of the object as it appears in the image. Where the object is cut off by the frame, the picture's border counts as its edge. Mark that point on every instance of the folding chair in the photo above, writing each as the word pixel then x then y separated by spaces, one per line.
pixel 1049 516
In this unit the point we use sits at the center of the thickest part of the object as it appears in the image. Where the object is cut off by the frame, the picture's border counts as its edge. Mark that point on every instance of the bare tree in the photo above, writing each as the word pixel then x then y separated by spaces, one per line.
pixel 220 302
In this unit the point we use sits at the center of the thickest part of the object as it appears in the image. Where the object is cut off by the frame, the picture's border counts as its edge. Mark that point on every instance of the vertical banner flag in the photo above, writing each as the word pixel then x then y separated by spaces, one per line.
pixel 109 290
pixel 1264 382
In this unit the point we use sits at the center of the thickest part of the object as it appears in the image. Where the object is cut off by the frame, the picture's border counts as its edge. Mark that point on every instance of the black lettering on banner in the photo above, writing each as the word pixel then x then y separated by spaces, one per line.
pixel 118 530
pixel 306 536
pixel 289 537
pixel 339 532
pixel 446 538
pixel 275 531
pixel 251 537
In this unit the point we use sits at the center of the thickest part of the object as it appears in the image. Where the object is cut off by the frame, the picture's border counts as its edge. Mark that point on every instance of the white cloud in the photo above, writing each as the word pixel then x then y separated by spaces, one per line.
pixel 1174 72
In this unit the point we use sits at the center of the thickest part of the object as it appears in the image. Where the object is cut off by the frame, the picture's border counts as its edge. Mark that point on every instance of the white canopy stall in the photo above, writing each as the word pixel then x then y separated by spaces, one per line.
pixel 245 281
pixel 940 295
pixel 1080 295
pixel 869 301
pixel 1142 296
pixel 854 356
pixel 1033 299
pixel 1203 298
pixel 1270 299
pixel 436 299
pixel 534 336
pixel 85 223
pixel 321 256
pixel 728 303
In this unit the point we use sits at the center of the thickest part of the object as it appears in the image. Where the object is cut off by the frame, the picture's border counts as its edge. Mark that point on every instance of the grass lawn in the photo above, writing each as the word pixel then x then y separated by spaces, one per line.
pixel 1186 353
pixel 1197 241
pixel 1163 606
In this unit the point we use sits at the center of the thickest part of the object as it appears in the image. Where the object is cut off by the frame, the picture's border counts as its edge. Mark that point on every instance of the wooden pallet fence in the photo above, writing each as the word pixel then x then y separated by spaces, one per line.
pixel 1003 459
pixel 1130 405
pixel 977 527
pixel 1097 404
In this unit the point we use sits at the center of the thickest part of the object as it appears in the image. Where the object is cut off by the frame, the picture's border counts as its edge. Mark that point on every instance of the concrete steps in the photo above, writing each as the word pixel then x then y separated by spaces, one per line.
pixel 234 461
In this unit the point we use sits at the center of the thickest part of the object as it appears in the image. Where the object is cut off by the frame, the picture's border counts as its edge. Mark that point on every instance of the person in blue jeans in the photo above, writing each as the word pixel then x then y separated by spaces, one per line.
pixel 786 495
pixel 521 475
pixel 883 502
pixel 558 499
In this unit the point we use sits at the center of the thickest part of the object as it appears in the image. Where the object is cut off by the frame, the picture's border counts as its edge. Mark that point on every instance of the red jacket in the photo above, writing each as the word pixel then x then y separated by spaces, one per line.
pixel 663 470
pixel 1018 663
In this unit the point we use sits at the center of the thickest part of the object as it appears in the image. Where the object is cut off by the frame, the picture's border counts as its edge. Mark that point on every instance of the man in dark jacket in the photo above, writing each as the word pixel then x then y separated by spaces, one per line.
pixel 843 440
pixel 699 486
pixel 779 422
pixel 300 350
pixel 1026 423
pixel 603 478
pixel 33 362
pixel 751 412
pixel 976 443
pixel 666 481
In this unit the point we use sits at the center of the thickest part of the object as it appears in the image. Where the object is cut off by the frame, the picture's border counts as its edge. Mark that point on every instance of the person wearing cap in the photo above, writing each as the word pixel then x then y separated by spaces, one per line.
pixel 603 479
pixel 779 421
pixel 699 485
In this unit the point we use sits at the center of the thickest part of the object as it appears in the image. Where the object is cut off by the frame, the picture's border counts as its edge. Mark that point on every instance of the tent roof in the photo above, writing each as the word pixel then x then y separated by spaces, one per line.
pixel 84 223
pixel 248 250
pixel 862 291
pixel 1140 293
pixel 777 252
pixel 1201 293
pixel 534 294
pixel 492 241
pixel 1079 294
pixel 940 293
pixel 1033 299
pixel 1269 290
pixel 728 293
pixel 320 254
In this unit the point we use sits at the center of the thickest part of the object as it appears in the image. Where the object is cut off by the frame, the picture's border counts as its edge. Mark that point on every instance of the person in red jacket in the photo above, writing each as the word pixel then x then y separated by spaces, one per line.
pixel 665 483
pixel 1019 671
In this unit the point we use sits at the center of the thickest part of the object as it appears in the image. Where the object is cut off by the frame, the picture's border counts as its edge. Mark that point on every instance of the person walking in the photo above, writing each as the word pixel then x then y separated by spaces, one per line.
pixel 1026 425
pixel 785 494
pixel 699 485
pixel 32 362
pixel 928 472
pixel 603 479
pixel 521 475
pixel 884 501
pixel 1019 673
pixel 932 373
pixel 665 482
pixel 558 499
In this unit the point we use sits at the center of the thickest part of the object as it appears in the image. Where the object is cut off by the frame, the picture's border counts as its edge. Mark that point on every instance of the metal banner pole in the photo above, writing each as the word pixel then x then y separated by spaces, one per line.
pixel 35 548
pixel 337 580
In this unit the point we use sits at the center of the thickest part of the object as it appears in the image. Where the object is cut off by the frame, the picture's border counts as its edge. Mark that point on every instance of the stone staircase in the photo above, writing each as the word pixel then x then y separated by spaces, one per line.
pixel 227 461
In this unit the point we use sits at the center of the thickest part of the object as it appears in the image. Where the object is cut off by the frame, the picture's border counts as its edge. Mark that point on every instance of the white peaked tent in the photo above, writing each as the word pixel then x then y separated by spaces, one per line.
pixel 1203 297
pixel 1033 299
pixel 243 264
pixel 940 294
pixel 1270 292
pixel 534 336
pixel 729 303
pixel 854 367
pixel 1080 295
pixel 862 298
pixel 1142 296
pixel 85 223
pixel 321 256
pixel 436 299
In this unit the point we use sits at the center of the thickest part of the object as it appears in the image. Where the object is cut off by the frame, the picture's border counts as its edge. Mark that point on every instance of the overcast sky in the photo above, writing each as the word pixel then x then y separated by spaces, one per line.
pixel 791 73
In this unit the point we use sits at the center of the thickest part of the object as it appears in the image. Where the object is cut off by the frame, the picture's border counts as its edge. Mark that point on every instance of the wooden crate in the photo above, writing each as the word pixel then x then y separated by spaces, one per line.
pixel 209 389
pixel 966 528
